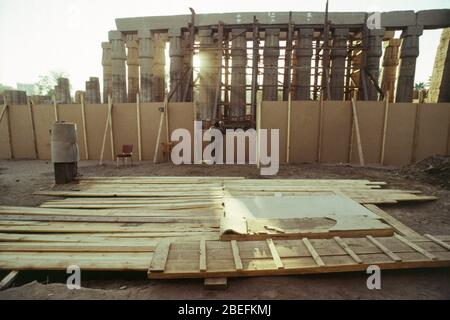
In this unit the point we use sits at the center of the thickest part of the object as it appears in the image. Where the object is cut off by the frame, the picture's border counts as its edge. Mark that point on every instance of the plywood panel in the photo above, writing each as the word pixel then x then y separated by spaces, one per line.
pixel 96 115
pixel 72 113
pixel 274 116
pixel 150 116
pixel 44 117
pixel 304 131
pixel 125 127
pixel 371 117
pixel 336 131
pixel 400 133
pixel 4 136
pixel 433 130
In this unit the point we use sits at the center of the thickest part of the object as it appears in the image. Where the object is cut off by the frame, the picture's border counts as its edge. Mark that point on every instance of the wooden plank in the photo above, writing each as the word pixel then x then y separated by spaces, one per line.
pixel 385 126
pixel 203 255
pixel 159 259
pixel 55 109
pixel 313 252
pixel 216 283
pixel 158 138
pixel 236 256
pixel 275 255
pixel 106 130
pixel 397 225
pixel 358 133
pixel 320 137
pixel 138 122
pixel 437 241
pixel 83 120
pixel 8 280
pixel 347 249
pixel 415 247
pixel 388 252
pixel 33 128
pixel 288 132
pixel 111 130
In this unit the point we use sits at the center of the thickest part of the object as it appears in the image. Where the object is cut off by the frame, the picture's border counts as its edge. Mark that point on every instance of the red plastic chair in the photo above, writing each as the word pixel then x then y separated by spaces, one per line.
pixel 127 152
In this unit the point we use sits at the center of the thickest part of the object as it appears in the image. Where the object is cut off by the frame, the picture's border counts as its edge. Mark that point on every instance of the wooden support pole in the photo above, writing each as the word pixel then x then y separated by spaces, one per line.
pixel 33 129
pixel 55 109
pixel 111 131
pixel 8 122
pixel 416 134
pixel 320 137
pixel 138 122
pixel 8 280
pixel 258 129
pixel 358 134
pixel 166 112
pixel 106 129
pixel 385 123
pixel 158 137
pixel 288 133
pixel 83 119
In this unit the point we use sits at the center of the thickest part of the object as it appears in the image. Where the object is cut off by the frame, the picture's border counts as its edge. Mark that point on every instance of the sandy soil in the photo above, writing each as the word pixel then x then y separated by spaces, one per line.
pixel 19 179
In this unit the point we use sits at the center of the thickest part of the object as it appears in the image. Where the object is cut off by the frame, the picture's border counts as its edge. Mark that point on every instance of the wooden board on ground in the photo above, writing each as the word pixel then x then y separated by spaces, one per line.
pixel 304 256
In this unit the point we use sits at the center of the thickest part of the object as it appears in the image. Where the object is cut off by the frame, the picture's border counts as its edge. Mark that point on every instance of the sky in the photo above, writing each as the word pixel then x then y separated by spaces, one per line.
pixel 39 36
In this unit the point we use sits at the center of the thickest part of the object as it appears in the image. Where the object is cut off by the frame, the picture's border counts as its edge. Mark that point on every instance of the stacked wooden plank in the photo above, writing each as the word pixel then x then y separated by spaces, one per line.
pixel 117 223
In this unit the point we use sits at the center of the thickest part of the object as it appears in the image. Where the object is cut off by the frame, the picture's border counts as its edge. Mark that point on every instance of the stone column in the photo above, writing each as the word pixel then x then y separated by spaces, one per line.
pixel 118 69
pixel 303 55
pixel 440 79
pixel 92 91
pixel 208 74
pixel 374 52
pixel 107 75
pixel 146 64
pixel 408 56
pixel 238 77
pixel 133 68
pixel 15 97
pixel 62 91
pixel 390 64
pixel 338 56
pixel 176 65
pixel 271 55
pixel 159 62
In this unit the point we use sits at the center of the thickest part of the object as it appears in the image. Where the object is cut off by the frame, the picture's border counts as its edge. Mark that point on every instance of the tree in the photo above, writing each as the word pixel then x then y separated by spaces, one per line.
pixel 420 86
pixel 46 84
pixel 5 87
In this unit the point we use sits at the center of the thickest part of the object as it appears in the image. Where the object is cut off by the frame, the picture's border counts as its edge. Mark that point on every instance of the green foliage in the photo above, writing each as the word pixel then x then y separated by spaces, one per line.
pixel 46 84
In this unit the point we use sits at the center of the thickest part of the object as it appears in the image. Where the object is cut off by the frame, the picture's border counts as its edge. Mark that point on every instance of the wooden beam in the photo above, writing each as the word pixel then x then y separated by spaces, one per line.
pixel 275 256
pixel 320 136
pixel 258 129
pixel 416 134
pixel 358 133
pixel 385 250
pixel 55 109
pixel 106 130
pixel 8 280
pixel 288 133
pixel 83 120
pixel 216 283
pixel 111 131
pixel 160 255
pixel 138 122
pixel 236 256
pixel 437 241
pixel 202 255
pixel 347 249
pixel 33 128
pixel 415 247
pixel 313 252
pixel 385 122
pixel 158 137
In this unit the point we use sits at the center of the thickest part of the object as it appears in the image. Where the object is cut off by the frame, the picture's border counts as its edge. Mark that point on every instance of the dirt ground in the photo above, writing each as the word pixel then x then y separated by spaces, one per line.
pixel 19 179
